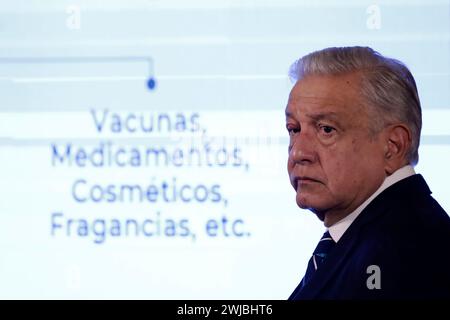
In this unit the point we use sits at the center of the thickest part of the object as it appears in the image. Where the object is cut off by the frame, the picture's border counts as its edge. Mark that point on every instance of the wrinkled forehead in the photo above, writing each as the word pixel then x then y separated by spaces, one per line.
pixel 330 94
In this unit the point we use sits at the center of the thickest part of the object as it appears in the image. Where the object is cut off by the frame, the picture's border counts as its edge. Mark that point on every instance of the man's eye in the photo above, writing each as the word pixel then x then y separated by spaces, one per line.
pixel 327 129
pixel 292 131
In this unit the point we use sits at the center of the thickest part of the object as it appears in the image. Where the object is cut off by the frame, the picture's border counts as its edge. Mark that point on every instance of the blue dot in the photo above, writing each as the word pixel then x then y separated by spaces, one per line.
pixel 151 83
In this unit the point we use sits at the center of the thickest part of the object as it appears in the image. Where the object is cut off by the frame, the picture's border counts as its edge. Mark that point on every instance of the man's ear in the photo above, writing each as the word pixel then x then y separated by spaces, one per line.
pixel 397 144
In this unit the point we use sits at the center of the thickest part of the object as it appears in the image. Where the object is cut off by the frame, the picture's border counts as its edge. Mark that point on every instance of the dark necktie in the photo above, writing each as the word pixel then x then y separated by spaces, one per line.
pixel 324 246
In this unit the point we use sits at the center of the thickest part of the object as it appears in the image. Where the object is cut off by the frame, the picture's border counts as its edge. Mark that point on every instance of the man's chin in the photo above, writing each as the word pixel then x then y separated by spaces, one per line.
pixel 304 202
pixel 308 206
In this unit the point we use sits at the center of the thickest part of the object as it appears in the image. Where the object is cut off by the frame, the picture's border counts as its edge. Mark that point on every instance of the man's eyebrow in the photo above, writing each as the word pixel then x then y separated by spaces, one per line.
pixel 323 115
pixel 331 115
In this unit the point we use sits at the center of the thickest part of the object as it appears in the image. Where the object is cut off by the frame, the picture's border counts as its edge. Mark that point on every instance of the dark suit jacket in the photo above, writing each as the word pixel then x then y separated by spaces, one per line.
pixel 404 232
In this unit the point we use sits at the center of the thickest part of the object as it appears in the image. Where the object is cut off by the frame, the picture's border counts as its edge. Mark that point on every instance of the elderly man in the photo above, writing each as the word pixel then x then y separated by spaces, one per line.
pixel 354 121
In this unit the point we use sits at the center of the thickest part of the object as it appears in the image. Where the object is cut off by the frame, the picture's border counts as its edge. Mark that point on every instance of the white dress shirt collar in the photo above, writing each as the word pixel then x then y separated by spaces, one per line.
pixel 338 229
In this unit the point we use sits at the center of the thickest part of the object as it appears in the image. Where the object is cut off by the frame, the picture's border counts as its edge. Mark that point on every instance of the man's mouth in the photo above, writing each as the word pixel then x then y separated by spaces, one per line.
pixel 304 180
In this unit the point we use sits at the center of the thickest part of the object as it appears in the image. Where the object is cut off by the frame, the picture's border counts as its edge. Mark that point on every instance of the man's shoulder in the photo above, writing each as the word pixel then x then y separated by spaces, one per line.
pixel 409 204
pixel 411 208
pixel 405 223
pixel 411 226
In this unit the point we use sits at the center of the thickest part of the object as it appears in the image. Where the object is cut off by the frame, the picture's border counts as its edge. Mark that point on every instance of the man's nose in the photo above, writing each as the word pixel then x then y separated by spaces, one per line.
pixel 302 150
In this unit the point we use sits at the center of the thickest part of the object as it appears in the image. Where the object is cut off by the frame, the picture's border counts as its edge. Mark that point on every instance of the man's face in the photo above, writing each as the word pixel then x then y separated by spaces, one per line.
pixel 335 163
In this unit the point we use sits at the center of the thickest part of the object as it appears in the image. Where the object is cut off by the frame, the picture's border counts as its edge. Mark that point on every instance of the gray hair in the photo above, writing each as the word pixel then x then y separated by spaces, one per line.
pixel 387 86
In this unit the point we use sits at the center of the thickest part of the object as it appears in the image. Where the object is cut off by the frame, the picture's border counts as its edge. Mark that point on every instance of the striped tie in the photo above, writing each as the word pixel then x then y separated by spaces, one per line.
pixel 324 246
